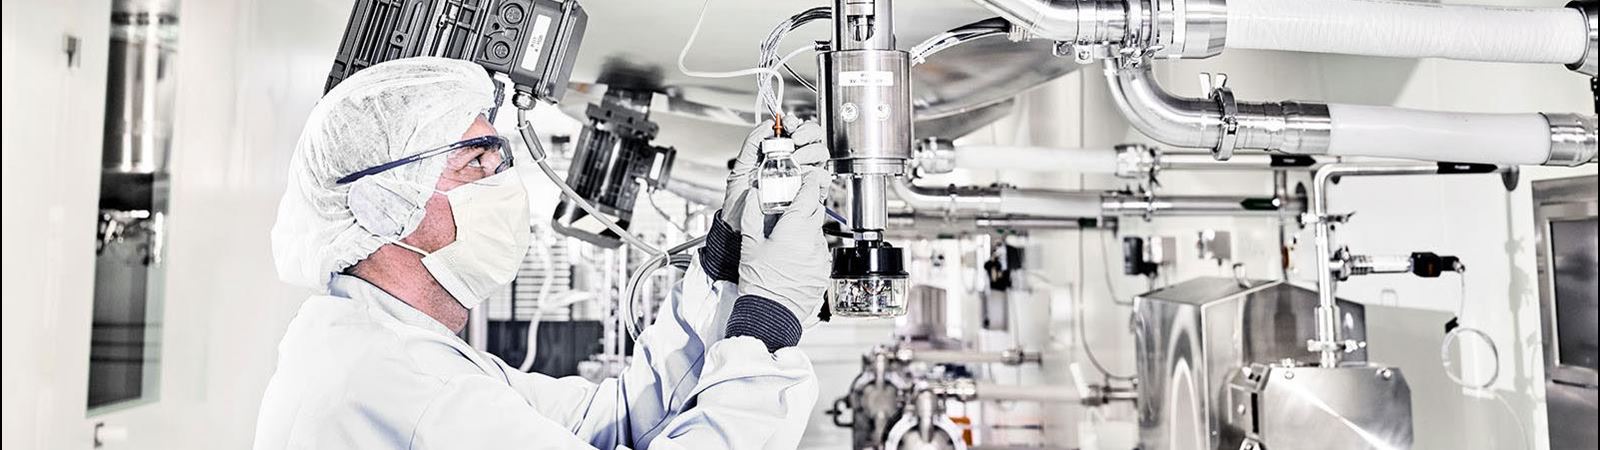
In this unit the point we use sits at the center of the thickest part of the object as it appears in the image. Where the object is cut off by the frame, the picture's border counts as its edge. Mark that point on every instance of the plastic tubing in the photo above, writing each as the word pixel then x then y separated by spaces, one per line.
pixel 694 34
pixel 1438 136
pixel 1406 29
pixel 1042 159
pixel 644 271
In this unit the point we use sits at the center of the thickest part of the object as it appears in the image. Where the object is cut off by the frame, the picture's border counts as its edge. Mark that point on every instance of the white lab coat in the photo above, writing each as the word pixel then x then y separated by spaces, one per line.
pixel 359 369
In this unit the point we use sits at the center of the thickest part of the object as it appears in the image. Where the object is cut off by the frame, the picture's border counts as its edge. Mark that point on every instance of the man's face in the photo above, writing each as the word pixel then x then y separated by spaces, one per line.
pixel 467 165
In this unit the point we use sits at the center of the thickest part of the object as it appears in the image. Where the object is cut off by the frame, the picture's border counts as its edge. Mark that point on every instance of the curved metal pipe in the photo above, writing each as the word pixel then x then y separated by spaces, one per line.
pixel 1218 123
pixel 1223 124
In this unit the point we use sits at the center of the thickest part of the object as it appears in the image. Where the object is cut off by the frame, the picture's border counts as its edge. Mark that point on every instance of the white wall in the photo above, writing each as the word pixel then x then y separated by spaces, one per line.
pixel 52 118
pixel 248 72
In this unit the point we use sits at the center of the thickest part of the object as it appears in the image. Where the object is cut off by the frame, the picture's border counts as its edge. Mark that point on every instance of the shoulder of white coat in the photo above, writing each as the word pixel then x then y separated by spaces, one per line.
pixel 371 340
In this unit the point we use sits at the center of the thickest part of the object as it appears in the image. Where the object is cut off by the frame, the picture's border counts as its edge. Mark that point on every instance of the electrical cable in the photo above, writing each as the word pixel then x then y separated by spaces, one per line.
pixel 1088 350
pixel 768 57
pixel 538 303
pixel 1449 364
pixel 1083 336
pixel 1454 334
pixel 1105 269
pixel 535 149
pixel 694 34
pixel 798 78
pixel 957 36
pixel 650 196
pixel 644 270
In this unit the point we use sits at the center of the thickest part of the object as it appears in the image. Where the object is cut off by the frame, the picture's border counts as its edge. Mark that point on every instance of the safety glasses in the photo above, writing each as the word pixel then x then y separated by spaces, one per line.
pixel 490 143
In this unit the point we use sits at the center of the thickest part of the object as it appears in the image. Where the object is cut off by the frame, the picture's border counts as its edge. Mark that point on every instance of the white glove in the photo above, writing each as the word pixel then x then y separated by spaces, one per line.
pixel 790 266
pixel 809 151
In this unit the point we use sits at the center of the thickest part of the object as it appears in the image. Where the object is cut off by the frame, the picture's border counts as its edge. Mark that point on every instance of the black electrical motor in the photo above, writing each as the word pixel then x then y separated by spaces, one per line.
pixel 613 156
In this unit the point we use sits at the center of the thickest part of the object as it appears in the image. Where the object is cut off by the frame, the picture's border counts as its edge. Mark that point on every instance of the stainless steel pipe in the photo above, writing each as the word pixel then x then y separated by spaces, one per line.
pixel 1218 123
pixel 1224 124
pixel 994 202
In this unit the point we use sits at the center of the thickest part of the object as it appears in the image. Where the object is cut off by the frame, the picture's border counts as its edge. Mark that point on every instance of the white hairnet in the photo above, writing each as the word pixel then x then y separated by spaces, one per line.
pixel 380 114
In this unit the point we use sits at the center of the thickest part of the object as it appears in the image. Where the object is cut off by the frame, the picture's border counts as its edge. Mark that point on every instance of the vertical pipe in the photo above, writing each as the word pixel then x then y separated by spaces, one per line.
pixel 869 199
pixel 1327 308
pixel 1329 344
pixel 1280 191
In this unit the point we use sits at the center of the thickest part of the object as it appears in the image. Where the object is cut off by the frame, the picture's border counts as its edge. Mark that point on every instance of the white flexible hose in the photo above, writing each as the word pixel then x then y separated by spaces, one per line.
pixel 1509 139
pixel 1041 159
pixel 1406 29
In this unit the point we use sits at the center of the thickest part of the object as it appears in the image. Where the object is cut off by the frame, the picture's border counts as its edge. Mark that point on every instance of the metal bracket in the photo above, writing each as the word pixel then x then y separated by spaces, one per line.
pixel 1217 90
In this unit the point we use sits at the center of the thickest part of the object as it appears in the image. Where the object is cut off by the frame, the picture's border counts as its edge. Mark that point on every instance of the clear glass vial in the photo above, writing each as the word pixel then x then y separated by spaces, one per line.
pixel 778 177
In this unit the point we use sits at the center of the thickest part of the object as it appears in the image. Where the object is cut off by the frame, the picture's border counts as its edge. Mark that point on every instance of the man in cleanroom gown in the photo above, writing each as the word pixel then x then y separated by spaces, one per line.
pixel 404 208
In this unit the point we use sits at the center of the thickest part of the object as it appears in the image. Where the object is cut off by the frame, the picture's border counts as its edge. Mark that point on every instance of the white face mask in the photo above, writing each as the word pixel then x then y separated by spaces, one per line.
pixel 492 237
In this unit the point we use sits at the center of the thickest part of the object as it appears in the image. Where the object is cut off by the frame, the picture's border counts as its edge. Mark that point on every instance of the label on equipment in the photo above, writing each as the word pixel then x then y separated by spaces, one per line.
pixel 779 189
pixel 866 78
pixel 530 56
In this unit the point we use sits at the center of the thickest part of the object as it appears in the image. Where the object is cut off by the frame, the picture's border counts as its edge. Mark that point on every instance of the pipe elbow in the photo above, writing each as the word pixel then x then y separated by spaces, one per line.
pixel 1174 121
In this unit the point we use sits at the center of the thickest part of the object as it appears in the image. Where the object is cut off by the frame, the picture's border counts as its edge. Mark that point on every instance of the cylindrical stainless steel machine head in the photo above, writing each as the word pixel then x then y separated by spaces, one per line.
pixel 867 110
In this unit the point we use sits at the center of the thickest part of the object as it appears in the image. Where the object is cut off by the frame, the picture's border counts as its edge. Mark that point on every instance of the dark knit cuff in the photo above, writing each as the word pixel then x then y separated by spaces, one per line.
pixel 720 255
pixel 766 320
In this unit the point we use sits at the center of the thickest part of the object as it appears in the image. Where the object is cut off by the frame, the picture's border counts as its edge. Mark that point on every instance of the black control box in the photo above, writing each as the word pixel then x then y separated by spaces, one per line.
pixel 532 42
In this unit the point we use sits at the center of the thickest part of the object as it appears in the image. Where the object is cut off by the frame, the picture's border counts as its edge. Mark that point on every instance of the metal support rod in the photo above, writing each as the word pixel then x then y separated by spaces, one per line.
pixel 1015 356
pixel 1129 204
pixel 1001 202
pixel 967 389
pixel 911 224
pixel 1280 190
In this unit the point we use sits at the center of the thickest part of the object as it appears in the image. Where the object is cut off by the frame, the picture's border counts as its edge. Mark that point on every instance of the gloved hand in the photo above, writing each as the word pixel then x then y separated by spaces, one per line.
pixel 790 265
pixel 809 150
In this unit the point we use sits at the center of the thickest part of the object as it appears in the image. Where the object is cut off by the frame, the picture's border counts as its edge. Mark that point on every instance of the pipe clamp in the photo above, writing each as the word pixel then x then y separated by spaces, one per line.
pixel 1230 123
